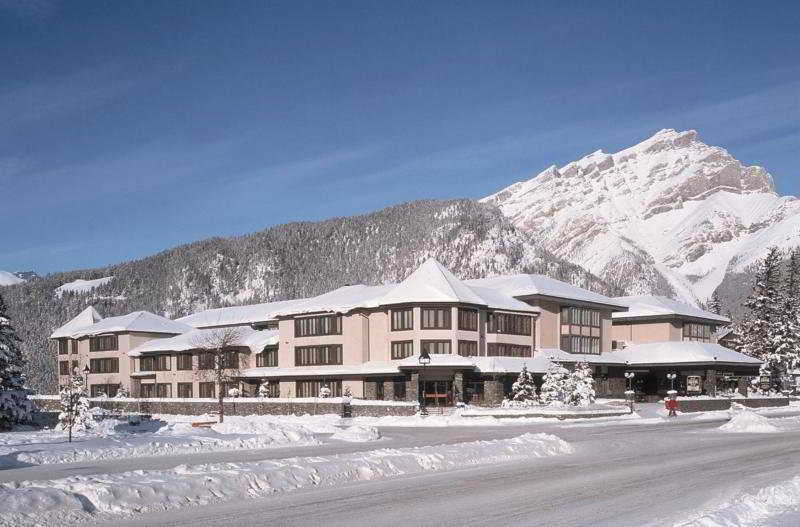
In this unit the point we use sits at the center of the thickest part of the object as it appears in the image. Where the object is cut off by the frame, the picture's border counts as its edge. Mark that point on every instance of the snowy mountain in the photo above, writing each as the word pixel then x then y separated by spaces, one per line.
pixel 670 215
pixel 7 278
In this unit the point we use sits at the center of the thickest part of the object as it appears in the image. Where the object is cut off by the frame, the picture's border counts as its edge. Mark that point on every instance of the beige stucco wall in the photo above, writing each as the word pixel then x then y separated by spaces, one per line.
pixel 645 332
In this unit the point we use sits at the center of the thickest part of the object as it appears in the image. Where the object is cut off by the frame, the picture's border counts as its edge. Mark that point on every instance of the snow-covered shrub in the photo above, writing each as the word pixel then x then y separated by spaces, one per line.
pixel 523 391
pixel 556 384
pixel 263 390
pixel 324 392
pixel 121 393
pixel 75 414
pixel 582 386
pixel 14 404
pixel 234 392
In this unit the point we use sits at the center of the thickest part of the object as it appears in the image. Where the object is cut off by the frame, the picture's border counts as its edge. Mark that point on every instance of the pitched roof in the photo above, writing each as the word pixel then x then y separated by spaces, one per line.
pixel 681 352
pixel 138 321
pixel 431 282
pixel 655 306
pixel 87 317
pixel 238 315
pixel 521 285
pixel 245 337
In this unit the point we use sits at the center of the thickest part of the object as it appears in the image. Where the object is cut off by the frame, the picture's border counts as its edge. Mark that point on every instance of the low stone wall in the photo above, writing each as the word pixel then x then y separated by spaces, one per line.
pixel 261 407
pixel 707 405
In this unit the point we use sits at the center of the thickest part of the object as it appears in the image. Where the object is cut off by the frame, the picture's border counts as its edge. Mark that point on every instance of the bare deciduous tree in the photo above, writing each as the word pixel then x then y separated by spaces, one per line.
pixel 220 353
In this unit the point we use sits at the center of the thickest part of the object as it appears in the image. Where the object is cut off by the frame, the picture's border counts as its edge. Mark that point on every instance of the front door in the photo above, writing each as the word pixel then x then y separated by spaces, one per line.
pixel 438 393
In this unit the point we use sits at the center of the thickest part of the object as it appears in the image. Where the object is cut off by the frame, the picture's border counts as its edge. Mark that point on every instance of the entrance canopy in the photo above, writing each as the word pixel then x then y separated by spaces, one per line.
pixel 682 353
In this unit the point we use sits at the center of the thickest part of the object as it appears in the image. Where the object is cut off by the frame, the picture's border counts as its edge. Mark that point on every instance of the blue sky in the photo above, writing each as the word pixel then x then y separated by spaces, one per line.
pixel 130 127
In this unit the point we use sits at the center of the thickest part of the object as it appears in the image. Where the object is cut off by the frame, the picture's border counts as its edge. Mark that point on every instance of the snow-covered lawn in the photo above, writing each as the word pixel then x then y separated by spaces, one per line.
pixel 79 498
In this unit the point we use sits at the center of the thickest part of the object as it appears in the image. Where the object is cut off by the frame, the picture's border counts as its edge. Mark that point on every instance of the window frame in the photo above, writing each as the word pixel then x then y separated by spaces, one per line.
pixel 100 343
pixel 101 365
pixel 468 344
pixel 502 349
pixel 401 344
pixel 266 357
pixel 157 360
pixel 468 319
pixel 180 358
pixel 184 385
pixel 314 327
pixel 405 320
pixel 446 318
pixel 313 355
pixel 428 342
pixel 501 323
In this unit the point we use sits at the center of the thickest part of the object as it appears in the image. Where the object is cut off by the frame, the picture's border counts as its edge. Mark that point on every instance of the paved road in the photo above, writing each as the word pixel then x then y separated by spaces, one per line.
pixel 620 475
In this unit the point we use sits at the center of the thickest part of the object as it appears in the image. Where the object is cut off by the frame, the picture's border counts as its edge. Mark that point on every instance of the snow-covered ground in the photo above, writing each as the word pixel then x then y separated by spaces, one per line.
pixel 77 499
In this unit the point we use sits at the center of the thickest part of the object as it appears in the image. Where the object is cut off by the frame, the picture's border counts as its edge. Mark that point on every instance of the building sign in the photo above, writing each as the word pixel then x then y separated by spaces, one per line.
pixel 693 383
pixel 764 382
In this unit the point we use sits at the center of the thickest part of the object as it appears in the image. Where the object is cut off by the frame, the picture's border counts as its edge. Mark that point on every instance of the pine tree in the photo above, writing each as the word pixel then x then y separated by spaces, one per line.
pixel 786 331
pixel 582 386
pixel 14 404
pixel 763 305
pixel 714 304
pixel 555 384
pixel 74 407
pixel 523 391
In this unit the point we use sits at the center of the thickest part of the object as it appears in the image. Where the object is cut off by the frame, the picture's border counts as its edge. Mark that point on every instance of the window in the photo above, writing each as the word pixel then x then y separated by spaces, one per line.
pixel 318 355
pixel 577 316
pixel 185 390
pixel 496 349
pixel 63 367
pixel 75 346
pixel 98 390
pixel 73 370
pixel 147 390
pixel 154 363
pixel 273 388
pixel 311 388
pixel 509 324
pixel 103 343
pixel 205 361
pixel 402 349
pixel 399 390
pixel 697 332
pixel 206 390
pixel 580 344
pixel 109 365
pixel 402 319
pixel 467 319
pixel 63 346
pixel 183 361
pixel 230 360
pixel 321 325
pixel 436 318
pixel 441 347
pixel 267 358
pixel 468 348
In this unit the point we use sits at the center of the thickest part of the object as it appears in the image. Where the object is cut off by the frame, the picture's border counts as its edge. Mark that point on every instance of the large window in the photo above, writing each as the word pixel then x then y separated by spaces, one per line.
pixel 206 390
pixel 580 344
pixel 468 348
pixel 75 346
pixel 467 319
pixel 312 388
pixel 441 347
pixel 318 355
pixel 184 361
pixel 321 325
pixel 509 324
pixel 436 318
pixel 154 363
pixel 161 390
pixel 63 346
pixel 103 343
pixel 205 361
pixel 577 316
pixel 98 390
pixel 230 360
pixel 697 332
pixel 109 365
pixel 273 388
pixel 267 358
pixel 402 349
pixel 185 390
pixel 496 349
pixel 402 319
pixel 63 367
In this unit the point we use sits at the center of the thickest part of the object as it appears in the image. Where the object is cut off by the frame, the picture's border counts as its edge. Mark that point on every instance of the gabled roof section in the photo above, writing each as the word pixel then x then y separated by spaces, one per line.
pixel 649 306
pixel 341 300
pixel 136 322
pixel 245 337
pixel 239 315
pixel 87 317
pixel 431 282
pixel 525 285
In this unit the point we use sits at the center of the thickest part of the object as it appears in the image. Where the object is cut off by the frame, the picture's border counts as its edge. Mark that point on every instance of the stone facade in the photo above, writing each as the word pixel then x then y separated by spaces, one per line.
pixel 412 388
pixel 493 392
pixel 388 390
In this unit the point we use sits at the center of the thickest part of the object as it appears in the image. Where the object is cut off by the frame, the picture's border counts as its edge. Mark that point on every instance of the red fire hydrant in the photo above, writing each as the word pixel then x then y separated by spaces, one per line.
pixel 672 406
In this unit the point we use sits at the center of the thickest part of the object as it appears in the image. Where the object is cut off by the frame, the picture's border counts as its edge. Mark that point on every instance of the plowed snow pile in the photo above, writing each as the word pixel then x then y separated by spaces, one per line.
pixel 746 421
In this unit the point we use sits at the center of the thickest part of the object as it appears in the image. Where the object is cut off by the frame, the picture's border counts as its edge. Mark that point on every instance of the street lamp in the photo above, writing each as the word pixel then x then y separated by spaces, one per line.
pixel 630 375
pixel 672 376
pixel 86 377
pixel 424 360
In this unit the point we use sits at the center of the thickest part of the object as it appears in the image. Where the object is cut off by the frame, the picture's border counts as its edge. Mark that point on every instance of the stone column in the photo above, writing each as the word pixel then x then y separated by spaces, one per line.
pixel 388 390
pixel 370 389
pixel 458 387
pixel 743 384
pixel 493 392
pixel 412 388
pixel 711 383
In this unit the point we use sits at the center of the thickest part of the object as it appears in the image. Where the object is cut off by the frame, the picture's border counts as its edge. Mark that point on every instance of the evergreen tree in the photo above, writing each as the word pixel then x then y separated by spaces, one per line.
pixel 714 304
pixel 763 305
pixel 523 391
pixel 582 386
pixel 555 384
pixel 74 407
pixel 786 331
pixel 14 404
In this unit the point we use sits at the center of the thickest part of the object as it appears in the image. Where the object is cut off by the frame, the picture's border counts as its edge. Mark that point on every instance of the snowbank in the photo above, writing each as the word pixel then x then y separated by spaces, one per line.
pixel 357 434
pixel 746 421
pixel 81 498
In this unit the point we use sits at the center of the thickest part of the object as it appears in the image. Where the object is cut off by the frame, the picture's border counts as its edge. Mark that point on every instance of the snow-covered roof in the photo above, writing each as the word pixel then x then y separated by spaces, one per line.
pixel 244 337
pixel 656 306
pixel 341 300
pixel 87 317
pixel 438 359
pixel 238 315
pixel 138 322
pixel 431 282
pixel 681 352
pixel 522 285
pixel 7 278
